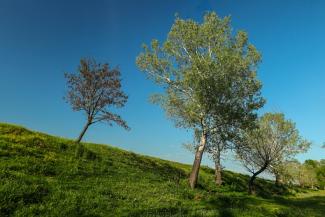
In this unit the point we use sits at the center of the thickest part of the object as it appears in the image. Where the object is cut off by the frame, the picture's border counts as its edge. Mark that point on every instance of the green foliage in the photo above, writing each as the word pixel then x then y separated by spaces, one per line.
pixel 309 174
pixel 40 176
pixel 207 72
pixel 208 75
pixel 275 141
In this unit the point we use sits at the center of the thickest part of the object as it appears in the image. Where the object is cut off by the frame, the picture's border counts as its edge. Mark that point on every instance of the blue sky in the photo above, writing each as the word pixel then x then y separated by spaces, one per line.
pixel 40 40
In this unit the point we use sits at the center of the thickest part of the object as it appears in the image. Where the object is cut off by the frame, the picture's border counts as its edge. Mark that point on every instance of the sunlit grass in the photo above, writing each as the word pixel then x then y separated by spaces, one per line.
pixel 41 176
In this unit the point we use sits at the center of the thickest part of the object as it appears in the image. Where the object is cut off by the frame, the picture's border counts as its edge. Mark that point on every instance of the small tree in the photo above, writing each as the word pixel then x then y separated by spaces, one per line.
pixel 215 150
pixel 223 139
pixel 321 174
pixel 291 172
pixel 94 89
pixel 268 144
pixel 307 176
pixel 209 77
pixel 277 168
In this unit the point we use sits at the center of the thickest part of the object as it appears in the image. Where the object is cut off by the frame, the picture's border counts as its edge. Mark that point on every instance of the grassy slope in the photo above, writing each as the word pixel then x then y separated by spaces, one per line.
pixel 39 175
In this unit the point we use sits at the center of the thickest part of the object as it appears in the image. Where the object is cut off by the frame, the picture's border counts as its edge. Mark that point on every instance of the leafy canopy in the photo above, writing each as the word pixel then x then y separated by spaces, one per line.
pixel 208 74
pixel 275 141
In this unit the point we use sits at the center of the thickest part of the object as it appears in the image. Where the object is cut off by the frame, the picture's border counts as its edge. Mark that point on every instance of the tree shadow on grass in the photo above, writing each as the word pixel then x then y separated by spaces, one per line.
pixel 220 206
pixel 314 205
pixel 225 204
pixel 243 205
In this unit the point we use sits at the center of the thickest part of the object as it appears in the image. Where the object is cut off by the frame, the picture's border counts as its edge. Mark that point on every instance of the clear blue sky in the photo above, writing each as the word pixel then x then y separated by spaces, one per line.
pixel 40 40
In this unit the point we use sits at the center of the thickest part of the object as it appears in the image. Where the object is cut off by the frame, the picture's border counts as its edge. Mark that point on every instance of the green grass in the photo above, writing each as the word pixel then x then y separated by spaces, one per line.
pixel 40 176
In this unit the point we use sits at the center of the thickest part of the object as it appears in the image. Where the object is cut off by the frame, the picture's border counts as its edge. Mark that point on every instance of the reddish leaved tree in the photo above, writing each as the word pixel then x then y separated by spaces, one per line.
pixel 94 89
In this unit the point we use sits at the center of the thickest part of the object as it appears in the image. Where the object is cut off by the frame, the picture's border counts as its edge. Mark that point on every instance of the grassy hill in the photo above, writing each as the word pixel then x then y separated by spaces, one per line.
pixel 40 176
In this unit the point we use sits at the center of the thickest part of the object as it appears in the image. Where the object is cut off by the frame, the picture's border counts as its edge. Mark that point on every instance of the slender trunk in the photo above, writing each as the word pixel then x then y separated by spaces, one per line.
pixel 278 179
pixel 83 131
pixel 251 187
pixel 218 169
pixel 197 161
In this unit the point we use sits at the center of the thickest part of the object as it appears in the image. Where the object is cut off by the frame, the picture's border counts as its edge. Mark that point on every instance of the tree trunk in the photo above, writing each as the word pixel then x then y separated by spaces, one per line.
pixel 83 131
pixel 197 161
pixel 278 179
pixel 251 187
pixel 218 169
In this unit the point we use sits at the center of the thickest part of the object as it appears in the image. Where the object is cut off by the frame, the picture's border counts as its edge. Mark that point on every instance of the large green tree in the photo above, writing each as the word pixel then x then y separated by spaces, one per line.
pixel 208 75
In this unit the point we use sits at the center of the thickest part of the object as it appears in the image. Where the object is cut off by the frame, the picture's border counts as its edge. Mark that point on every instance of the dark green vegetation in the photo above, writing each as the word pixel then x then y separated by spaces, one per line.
pixel 41 176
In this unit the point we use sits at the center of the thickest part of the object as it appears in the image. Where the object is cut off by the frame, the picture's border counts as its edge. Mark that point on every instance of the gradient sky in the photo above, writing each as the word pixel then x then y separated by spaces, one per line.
pixel 40 40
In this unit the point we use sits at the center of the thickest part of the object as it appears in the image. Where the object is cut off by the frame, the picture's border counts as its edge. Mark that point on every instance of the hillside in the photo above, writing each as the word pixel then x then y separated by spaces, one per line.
pixel 40 176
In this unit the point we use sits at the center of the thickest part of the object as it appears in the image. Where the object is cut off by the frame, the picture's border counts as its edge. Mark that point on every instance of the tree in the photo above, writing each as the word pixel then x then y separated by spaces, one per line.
pixel 224 138
pixel 321 174
pixel 291 171
pixel 268 144
pixel 277 168
pixel 94 89
pixel 216 145
pixel 208 76
pixel 318 167
pixel 307 176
